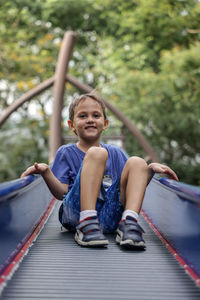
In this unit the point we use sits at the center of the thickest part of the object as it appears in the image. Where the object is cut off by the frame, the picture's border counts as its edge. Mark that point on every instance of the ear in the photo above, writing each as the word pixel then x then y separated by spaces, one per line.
pixel 105 124
pixel 70 124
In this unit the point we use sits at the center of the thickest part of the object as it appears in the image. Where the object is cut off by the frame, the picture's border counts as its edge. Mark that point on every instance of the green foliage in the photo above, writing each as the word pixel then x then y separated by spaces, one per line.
pixel 22 145
pixel 141 55
pixel 165 106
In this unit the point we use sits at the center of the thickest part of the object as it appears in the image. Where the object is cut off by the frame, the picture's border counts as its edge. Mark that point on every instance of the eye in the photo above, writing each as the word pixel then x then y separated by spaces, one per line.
pixel 97 115
pixel 82 116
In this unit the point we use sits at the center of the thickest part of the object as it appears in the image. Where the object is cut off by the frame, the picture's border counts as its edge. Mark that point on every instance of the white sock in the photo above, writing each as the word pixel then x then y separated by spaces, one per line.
pixel 130 213
pixel 87 213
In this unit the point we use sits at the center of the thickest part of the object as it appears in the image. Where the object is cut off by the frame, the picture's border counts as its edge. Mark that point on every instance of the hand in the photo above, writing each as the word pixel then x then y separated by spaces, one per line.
pixel 159 168
pixel 36 169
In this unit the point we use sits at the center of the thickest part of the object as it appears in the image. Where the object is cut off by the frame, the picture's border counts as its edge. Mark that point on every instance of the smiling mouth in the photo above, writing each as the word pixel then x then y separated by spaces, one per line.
pixel 90 127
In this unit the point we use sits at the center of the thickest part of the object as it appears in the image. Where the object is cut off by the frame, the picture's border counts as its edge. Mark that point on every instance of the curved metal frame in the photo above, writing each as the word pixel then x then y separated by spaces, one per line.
pixel 26 97
pixel 59 80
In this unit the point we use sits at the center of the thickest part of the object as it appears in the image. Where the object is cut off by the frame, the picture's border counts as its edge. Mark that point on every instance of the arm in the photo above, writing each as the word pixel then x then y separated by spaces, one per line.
pixel 162 169
pixel 55 186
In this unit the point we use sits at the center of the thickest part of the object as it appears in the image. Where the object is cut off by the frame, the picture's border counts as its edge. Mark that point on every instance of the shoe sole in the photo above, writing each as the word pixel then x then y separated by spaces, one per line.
pixel 129 244
pixel 95 244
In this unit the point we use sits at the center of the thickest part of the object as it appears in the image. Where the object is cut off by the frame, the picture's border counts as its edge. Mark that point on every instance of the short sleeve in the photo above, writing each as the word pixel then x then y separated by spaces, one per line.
pixel 60 167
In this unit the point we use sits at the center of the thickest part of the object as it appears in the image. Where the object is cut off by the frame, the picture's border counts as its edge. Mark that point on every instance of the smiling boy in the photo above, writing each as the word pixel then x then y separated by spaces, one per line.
pixel 101 188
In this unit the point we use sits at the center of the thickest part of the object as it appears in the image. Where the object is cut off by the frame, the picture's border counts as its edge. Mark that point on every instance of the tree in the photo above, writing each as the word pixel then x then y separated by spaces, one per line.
pixel 142 55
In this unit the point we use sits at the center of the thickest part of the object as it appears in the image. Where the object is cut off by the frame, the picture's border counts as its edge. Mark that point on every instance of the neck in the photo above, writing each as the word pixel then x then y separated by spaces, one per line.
pixel 85 146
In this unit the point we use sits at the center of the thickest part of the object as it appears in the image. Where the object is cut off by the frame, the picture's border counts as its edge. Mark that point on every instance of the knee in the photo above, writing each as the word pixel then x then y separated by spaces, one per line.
pixel 137 162
pixel 97 154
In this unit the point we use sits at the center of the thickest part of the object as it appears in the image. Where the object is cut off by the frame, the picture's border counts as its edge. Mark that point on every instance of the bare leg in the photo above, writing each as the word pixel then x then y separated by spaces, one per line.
pixel 133 183
pixel 88 232
pixel 94 165
pixel 132 188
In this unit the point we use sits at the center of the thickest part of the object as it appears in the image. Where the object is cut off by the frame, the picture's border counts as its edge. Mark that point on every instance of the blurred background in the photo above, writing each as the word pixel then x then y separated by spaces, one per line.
pixel 142 56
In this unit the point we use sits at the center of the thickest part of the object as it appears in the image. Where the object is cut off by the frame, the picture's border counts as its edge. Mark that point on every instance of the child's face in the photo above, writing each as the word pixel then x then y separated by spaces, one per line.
pixel 88 122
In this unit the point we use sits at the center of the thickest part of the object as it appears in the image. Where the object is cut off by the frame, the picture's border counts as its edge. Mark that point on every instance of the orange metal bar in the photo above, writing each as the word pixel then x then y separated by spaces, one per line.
pixel 59 87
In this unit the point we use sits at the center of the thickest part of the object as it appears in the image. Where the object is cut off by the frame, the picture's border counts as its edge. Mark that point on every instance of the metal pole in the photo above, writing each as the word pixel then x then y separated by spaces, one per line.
pixel 59 86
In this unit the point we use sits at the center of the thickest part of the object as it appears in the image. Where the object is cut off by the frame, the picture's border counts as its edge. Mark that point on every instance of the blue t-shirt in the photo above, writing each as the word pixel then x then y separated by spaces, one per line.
pixel 69 158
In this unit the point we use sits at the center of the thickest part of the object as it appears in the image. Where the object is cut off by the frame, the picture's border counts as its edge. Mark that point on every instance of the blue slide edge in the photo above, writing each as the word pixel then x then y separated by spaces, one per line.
pixel 23 202
pixel 191 192
pixel 14 185
pixel 174 209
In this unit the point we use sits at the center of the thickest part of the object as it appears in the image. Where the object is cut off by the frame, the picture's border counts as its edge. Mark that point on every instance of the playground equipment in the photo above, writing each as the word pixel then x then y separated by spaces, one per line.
pixel 55 268
pixel 59 80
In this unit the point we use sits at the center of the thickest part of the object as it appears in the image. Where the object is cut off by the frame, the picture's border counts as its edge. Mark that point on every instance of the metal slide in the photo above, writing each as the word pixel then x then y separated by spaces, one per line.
pixel 57 268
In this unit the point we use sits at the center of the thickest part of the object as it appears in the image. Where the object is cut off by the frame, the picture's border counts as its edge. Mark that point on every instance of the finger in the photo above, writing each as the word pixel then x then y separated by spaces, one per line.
pixel 36 165
pixel 175 177
pixel 22 175
pixel 28 171
pixel 172 174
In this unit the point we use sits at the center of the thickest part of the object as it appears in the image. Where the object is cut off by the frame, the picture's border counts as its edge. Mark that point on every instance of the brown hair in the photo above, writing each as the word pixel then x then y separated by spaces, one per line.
pixel 84 97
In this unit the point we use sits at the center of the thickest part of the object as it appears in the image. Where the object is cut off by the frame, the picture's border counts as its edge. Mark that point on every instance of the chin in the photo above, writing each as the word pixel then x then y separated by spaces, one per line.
pixel 91 138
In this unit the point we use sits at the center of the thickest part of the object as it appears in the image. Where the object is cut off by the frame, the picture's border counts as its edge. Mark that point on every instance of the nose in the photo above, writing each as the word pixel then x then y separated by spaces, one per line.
pixel 90 119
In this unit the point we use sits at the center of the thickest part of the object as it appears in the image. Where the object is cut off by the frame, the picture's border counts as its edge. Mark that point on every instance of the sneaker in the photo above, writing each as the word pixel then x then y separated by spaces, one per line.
pixel 129 234
pixel 89 234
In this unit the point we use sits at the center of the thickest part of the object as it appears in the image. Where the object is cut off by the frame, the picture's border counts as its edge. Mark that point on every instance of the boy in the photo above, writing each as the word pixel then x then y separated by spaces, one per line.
pixel 101 188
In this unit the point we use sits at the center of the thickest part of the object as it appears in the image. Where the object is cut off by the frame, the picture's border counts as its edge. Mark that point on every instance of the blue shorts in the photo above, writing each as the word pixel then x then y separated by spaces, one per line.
pixel 109 210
